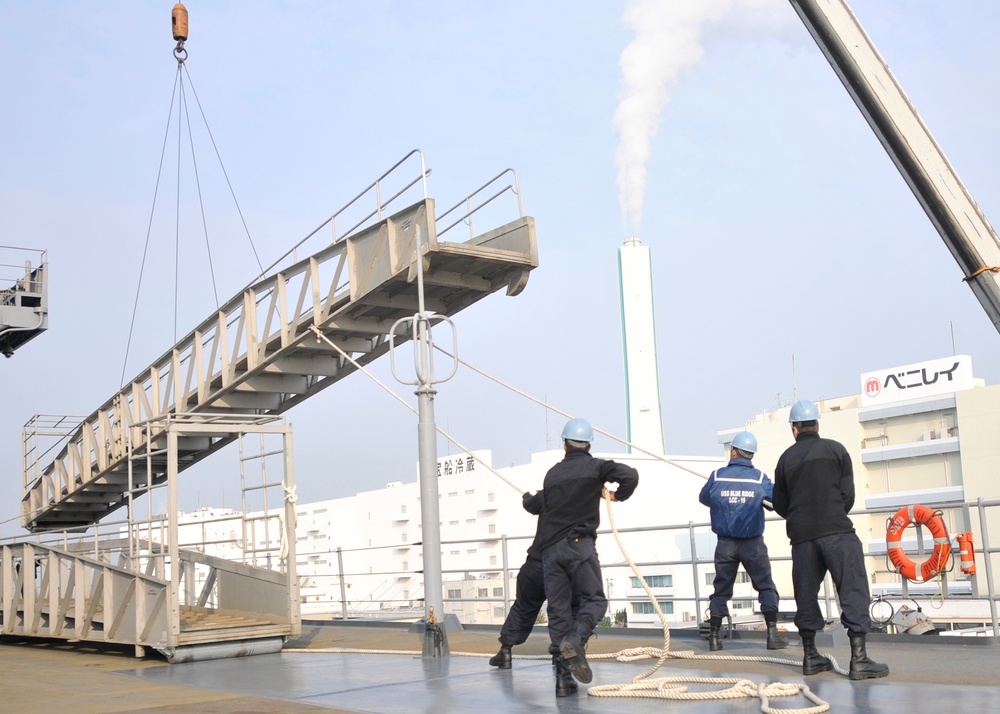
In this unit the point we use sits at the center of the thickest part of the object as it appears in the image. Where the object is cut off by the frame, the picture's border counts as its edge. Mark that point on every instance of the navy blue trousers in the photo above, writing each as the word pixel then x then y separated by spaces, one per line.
pixel 572 570
pixel 730 553
pixel 528 601
pixel 842 556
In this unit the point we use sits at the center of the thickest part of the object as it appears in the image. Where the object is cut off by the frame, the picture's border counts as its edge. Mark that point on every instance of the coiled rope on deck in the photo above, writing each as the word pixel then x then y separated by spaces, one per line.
pixel 675 687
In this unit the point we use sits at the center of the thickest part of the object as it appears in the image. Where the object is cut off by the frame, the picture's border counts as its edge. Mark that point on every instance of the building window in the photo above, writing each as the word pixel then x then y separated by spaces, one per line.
pixel 493 527
pixel 471 551
pixel 646 608
pixel 404 537
pixel 709 578
pixel 497 592
pixel 490 497
pixel 493 560
pixel 470 492
pixel 452 493
pixel 406 565
pixel 402 509
pixel 742 603
pixel 484 592
pixel 742 577
pixel 454 594
pixel 455 552
pixel 498 612
pixel 470 520
pixel 655 581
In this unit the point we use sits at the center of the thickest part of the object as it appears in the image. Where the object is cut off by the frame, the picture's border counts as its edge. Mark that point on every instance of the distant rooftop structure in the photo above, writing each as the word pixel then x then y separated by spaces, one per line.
pixel 23 296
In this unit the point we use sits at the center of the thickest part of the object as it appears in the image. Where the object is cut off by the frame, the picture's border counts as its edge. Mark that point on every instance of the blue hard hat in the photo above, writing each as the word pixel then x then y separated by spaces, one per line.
pixel 803 410
pixel 745 441
pixel 578 430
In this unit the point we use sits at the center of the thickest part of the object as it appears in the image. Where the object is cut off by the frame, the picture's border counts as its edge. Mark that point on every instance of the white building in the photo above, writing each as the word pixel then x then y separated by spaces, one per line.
pixel 924 433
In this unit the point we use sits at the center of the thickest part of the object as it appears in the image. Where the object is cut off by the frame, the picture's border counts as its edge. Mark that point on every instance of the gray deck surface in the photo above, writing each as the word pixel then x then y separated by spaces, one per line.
pixel 929 674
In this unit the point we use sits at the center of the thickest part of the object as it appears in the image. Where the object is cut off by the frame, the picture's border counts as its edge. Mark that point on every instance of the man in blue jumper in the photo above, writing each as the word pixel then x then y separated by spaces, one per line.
pixel 737 495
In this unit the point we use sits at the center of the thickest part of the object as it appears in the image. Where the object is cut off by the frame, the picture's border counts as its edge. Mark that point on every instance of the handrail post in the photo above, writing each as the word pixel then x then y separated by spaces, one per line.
pixel 694 572
pixel 988 564
pixel 506 574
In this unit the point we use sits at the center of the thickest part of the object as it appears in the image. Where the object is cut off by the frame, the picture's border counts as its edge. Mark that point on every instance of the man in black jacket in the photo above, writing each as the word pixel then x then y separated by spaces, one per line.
pixel 569 522
pixel 813 492
pixel 529 597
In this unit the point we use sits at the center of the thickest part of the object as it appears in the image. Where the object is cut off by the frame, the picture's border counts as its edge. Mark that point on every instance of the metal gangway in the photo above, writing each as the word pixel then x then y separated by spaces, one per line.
pixel 284 338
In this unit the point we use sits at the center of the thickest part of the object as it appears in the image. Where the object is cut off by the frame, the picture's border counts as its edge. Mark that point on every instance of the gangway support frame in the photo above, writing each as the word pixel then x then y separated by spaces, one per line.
pixel 957 217
pixel 258 355
pixel 137 585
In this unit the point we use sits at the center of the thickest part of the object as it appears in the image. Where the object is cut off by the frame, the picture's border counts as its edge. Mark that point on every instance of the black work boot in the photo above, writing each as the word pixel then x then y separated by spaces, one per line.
pixel 565 684
pixel 861 666
pixel 812 661
pixel 574 655
pixel 775 640
pixel 714 641
pixel 502 659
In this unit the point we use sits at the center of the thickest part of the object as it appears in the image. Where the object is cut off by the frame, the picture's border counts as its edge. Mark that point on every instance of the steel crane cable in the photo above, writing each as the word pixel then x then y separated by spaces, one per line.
pixel 179 97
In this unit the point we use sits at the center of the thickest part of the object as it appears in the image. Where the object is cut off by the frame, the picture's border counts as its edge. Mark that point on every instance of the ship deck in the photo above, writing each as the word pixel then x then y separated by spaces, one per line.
pixel 929 674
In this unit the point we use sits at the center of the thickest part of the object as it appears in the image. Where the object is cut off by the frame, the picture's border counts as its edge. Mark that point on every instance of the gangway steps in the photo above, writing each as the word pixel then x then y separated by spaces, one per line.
pixel 258 355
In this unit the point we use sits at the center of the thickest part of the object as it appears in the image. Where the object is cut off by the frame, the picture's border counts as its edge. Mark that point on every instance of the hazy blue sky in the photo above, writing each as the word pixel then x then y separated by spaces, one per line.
pixel 778 225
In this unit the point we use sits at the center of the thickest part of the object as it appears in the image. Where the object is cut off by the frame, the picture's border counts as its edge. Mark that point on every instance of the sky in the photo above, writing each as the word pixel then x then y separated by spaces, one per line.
pixel 789 257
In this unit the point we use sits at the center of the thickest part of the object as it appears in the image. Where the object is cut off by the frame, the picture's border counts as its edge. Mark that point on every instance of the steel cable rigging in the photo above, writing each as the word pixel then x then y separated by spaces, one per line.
pixel 178 97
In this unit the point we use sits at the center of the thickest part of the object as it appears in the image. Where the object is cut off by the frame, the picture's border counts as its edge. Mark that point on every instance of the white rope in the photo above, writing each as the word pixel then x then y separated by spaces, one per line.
pixel 661 688
pixel 673 687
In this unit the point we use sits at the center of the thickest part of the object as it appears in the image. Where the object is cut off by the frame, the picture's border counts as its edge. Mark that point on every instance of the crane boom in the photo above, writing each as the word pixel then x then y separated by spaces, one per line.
pixel 958 219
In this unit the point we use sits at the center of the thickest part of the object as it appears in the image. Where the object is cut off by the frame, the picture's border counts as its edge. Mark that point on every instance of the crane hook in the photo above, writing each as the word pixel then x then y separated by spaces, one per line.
pixel 179 22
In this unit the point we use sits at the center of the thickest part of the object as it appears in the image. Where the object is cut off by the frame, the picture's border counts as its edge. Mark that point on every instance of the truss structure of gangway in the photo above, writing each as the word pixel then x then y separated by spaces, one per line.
pixel 259 355
pixel 137 583
pixel 241 368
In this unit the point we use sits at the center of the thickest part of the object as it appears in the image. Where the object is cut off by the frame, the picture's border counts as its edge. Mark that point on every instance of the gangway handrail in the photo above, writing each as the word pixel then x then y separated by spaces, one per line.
pixel 515 189
pixel 379 208
pixel 246 355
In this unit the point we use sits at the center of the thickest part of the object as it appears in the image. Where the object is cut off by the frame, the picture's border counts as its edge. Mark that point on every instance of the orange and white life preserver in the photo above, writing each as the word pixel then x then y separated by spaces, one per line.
pixel 918 515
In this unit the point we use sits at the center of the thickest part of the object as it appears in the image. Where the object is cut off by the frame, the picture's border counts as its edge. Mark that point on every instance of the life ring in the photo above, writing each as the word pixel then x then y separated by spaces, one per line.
pixel 918 515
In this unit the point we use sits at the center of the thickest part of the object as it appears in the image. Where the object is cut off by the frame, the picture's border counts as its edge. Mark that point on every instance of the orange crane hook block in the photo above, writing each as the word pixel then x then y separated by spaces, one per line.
pixel 179 20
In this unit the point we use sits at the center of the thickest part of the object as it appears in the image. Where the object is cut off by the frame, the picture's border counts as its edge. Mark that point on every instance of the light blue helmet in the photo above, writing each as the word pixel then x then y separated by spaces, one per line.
pixel 803 410
pixel 578 430
pixel 745 441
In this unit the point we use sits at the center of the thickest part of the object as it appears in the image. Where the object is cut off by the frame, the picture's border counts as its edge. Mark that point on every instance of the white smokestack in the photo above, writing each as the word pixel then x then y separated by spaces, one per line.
pixel 642 384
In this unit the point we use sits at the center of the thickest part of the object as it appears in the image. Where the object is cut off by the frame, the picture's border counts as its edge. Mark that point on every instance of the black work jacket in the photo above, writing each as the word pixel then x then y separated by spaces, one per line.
pixel 572 503
pixel 814 488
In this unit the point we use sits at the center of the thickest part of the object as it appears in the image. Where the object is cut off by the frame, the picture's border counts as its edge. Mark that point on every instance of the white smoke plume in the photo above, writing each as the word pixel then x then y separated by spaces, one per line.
pixel 668 36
